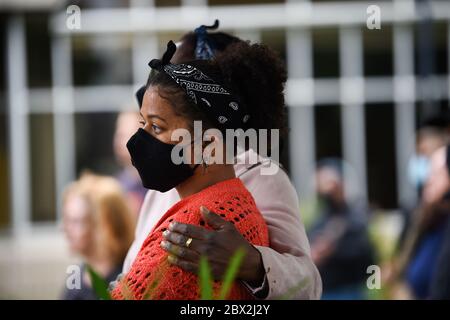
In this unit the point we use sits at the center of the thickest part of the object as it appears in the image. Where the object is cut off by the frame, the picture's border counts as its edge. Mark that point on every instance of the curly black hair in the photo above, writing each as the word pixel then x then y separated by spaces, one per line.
pixel 257 75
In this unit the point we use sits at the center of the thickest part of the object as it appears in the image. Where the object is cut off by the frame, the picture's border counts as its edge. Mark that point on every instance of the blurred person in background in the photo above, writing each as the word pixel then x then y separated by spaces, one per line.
pixel 428 140
pixel 431 135
pixel 99 227
pixel 425 237
pixel 126 125
pixel 440 284
pixel 268 272
pixel 340 245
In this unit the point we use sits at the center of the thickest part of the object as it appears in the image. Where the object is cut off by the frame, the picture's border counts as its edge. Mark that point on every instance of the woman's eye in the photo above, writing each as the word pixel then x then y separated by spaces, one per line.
pixel 156 129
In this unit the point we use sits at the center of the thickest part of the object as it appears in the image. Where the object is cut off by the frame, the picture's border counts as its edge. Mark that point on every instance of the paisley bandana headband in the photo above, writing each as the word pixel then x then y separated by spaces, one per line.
pixel 211 97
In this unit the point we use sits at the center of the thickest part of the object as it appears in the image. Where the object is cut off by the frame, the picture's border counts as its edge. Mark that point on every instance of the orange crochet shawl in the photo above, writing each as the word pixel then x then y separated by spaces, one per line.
pixel 152 277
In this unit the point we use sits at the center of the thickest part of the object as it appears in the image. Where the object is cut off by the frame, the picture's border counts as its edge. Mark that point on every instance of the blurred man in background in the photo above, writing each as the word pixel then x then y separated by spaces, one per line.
pixel 340 245
pixel 126 125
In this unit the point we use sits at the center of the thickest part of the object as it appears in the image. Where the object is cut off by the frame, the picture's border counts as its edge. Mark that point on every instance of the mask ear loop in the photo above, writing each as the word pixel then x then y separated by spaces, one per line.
pixel 203 163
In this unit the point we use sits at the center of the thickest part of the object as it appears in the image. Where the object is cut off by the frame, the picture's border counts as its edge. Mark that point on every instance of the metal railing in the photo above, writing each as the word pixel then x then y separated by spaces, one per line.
pixel 351 90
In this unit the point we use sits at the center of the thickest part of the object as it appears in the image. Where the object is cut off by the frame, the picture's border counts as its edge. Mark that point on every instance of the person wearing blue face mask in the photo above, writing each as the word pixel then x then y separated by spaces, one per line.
pixel 429 139
pixel 426 236
pixel 418 167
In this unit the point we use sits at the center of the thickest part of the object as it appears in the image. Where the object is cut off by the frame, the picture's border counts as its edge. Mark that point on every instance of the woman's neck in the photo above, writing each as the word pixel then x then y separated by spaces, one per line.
pixel 205 177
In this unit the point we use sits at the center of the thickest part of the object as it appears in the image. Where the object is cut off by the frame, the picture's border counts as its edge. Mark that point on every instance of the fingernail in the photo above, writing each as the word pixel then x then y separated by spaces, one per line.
pixel 164 244
pixel 204 210
pixel 171 225
pixel 112 285
pixel 165 233
pixel 171 258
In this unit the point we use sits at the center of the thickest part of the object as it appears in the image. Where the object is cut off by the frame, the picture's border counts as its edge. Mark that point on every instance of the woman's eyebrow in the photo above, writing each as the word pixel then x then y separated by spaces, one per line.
pixel 151 115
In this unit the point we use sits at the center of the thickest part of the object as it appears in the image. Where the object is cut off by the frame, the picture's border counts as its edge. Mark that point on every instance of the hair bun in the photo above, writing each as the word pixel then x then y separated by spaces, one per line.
pixel 257 75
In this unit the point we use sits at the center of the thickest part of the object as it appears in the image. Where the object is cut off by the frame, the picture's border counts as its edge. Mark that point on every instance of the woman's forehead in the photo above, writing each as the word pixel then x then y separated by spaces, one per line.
pixel 153 103
pixel 156 105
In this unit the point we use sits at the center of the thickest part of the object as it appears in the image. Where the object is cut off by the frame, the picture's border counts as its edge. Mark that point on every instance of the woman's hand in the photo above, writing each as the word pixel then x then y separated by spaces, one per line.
pixel 218 245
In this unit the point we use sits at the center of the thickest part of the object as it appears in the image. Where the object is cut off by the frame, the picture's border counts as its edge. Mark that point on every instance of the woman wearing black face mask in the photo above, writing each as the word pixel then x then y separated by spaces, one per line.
pixel 177 95
pixel 288 257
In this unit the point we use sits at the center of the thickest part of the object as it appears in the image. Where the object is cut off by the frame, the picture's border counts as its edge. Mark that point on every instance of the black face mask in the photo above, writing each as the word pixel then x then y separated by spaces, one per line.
pixel 152 159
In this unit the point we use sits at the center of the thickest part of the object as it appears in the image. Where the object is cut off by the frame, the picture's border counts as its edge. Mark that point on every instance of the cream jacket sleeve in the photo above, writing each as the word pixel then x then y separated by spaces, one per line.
pixel 290 272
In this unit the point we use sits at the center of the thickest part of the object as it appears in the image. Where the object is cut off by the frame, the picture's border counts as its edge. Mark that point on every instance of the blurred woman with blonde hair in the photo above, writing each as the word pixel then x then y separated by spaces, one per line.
pixel 99 228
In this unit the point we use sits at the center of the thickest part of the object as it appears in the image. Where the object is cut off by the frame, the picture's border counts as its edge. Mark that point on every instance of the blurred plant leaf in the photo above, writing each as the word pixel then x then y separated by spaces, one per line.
pixel 204 273
pixel 152 288
pixel 98 284
pixel 231 273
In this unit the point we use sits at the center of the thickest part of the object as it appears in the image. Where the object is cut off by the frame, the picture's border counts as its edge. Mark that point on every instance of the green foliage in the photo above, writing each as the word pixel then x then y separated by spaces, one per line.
pixel 206 287
pixel 98 284
pixel 205 280
pixel 204 274
pixel 231 273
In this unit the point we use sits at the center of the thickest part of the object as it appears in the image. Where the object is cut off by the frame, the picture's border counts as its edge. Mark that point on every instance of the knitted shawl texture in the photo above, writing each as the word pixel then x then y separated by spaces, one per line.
pixel 152 277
